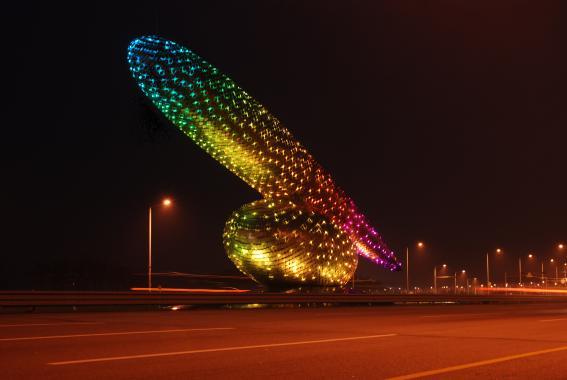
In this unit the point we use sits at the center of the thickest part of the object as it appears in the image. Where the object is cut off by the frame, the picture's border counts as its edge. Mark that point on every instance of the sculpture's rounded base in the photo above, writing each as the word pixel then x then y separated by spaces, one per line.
pixel 282 245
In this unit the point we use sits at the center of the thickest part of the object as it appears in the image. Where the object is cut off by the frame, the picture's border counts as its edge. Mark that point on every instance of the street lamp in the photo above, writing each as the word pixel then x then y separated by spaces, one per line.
pixel 530 256
pixel 560 248
pixel 419 245
pixel 556 271
pixel 498 252
pixel 166 202
pixel 466 282
pixel 435 276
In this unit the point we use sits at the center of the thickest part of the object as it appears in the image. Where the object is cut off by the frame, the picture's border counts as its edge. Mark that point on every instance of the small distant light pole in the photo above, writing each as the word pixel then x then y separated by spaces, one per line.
pixel 519 271
pixel 498 252
pixel 487 271
pixel 560 248
pixel 556 271
pixel 455 278
pixel 166 202
pixel 435 276
pixel 419 245
pixel 464 274
pixel 530 256
pixel 435 279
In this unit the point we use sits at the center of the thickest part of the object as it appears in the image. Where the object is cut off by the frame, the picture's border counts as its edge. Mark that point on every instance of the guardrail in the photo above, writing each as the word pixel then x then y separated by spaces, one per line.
pixel 47 298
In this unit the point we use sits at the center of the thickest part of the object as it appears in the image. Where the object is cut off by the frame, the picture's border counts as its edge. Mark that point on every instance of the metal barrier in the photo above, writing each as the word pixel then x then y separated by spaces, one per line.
pixel 63 298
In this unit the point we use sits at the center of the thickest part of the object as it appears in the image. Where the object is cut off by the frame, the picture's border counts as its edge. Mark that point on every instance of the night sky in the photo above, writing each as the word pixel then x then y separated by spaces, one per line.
pixel 445 121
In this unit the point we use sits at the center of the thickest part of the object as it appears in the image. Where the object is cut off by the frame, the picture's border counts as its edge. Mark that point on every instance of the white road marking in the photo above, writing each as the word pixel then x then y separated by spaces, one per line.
pixel 553 320
pixel 110 334
pixel 51 324
pixel 456 315
pixel 220 349
pixel 476 364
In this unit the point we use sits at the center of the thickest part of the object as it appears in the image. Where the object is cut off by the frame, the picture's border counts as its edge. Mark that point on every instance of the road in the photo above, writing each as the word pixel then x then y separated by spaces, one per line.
pixel 441 342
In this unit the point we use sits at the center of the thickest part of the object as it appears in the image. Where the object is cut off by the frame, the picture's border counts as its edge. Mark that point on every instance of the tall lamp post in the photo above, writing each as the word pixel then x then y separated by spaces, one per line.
pixel 498 251
pixel 435 276
pixel 552 261
pixel 419 245
pixel 560 248
pixel 166 202
pixel 466 282
pixel 520 271
pixel 530 256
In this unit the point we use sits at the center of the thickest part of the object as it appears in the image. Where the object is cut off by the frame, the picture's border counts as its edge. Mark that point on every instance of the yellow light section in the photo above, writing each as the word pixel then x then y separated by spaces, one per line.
pixel 225 148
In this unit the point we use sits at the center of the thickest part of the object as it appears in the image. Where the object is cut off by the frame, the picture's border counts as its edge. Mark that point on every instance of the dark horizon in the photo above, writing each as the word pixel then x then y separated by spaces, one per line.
pixel 444 121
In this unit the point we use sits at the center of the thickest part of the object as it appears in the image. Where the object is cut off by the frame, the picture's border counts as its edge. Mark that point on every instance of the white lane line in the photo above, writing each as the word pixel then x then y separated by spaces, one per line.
pixel 456 315
pixel 110 334
pixel 477 364
pixel 220 349
pixel 553 320
pixel 51 324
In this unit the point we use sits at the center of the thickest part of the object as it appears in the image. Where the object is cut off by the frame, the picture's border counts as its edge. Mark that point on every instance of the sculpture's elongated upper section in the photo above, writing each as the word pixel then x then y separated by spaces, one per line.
pixel 243 136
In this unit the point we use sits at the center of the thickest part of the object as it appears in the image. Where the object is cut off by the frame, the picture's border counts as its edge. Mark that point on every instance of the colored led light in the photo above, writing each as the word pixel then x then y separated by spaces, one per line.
pixel 305 230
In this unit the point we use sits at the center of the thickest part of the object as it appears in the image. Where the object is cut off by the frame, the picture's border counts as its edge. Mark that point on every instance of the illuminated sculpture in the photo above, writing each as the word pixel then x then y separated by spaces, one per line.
pixel 305 230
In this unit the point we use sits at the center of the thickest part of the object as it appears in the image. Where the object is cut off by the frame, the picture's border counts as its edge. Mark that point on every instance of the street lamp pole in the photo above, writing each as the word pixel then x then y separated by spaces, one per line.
pixel 519 271
pixel 407 270
pixel 455 278
pixel 166 203
pixel 419 245
pixel 435 278
pixel 487 272
pixel 150 249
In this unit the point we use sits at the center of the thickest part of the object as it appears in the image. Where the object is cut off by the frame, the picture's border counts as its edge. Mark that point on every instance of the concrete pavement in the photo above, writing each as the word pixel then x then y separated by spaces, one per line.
pixel 452 342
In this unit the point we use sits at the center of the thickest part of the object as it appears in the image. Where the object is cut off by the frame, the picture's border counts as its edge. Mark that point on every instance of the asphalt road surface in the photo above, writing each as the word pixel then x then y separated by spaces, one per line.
pixel 403 342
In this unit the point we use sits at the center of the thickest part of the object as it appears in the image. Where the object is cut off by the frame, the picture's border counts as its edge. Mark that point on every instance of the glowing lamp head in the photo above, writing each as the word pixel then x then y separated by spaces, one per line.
pixel 463 271
pixel 498 250
pixel 166 202
pixel 444 265
pixel 530 255
pixel 560 246
pixel 420 245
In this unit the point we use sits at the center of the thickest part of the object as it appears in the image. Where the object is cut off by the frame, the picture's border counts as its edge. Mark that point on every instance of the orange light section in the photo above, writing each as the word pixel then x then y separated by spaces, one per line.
pixel 522 290
pixel 190 290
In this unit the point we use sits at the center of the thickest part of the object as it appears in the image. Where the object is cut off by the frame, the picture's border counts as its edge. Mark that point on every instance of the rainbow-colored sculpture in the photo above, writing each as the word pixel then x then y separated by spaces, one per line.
pixel 305 230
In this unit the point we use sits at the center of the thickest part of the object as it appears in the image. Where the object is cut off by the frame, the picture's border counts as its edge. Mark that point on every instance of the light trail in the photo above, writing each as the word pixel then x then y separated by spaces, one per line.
pixel 523 290
pixel 190 290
